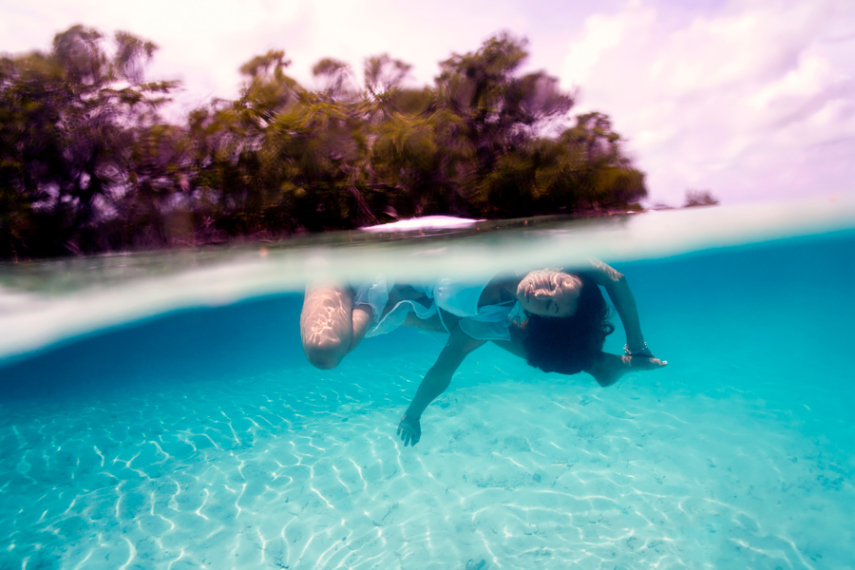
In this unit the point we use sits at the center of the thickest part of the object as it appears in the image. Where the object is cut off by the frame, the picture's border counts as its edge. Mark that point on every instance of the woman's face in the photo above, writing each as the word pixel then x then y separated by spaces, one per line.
pixel 549 293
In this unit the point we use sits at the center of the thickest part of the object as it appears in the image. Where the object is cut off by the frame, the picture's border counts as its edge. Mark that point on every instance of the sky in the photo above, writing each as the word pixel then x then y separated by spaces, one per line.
pixel 752 100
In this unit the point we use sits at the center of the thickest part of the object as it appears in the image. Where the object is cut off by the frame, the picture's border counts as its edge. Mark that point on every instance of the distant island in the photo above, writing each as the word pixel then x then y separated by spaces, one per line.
pixel 88 164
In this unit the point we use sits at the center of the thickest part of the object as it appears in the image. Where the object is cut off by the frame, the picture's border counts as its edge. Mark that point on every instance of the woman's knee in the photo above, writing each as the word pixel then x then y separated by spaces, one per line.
pixel 325 354
pixel 325 325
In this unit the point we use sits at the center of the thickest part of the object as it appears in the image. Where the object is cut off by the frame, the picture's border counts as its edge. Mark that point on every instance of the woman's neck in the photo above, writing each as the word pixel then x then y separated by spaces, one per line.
pixel 508 285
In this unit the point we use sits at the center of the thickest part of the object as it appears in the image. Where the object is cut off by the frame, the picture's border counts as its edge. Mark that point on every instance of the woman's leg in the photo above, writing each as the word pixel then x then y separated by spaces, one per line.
pixel 330 327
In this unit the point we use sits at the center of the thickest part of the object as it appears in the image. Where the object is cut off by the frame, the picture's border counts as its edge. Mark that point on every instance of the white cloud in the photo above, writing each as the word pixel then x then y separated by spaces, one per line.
pixel 738 102
pixel 601 33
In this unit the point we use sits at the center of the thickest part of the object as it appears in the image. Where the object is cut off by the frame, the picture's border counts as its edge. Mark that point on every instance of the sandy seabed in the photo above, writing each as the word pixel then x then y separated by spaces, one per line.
pixel 301 469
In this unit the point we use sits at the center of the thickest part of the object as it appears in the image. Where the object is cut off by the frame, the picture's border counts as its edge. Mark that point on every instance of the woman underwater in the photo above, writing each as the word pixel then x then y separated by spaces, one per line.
pixel 556 320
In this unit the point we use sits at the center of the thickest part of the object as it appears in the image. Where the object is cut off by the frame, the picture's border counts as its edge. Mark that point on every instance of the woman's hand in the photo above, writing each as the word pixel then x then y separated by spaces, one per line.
pixel 410 430
pixel 435 382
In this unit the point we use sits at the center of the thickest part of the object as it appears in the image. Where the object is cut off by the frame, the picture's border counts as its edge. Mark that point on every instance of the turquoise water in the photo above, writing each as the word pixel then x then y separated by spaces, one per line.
pixel 198 437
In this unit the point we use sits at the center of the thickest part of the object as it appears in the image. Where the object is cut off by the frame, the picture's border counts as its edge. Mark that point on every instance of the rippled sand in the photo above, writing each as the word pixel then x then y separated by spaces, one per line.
pixel 301 469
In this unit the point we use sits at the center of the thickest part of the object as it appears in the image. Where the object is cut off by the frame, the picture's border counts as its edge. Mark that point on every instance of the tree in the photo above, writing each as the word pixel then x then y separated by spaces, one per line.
pixel 603 175
pixel 335 76
pixel 500 109
pixel 383 75
pixel 68 117
pixel 87 164
pixel 696 198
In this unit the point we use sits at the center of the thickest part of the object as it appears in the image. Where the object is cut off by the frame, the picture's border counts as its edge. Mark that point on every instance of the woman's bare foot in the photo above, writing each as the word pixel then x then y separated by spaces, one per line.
pixel 609 368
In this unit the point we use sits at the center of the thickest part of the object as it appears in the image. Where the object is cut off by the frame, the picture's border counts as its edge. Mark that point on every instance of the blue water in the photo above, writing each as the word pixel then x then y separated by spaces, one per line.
pixel 201 438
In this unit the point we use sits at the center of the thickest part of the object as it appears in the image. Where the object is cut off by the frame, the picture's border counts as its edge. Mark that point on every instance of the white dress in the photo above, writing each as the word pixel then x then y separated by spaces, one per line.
pixel 491 322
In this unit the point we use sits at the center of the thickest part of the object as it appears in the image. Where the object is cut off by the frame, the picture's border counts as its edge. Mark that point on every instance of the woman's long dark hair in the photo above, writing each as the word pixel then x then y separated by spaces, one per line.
pixel 569 344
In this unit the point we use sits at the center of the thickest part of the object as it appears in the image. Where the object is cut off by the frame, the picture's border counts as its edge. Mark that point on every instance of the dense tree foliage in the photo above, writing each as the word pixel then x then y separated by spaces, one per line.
pixel 87 164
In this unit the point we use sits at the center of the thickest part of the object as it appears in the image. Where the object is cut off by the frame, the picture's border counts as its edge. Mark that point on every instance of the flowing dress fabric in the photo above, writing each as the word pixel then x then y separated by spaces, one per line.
pixel 376 295
pixel 491 322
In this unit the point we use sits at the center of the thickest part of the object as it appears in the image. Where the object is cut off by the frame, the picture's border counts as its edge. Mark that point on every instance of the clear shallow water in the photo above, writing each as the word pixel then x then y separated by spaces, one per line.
pixel 201 438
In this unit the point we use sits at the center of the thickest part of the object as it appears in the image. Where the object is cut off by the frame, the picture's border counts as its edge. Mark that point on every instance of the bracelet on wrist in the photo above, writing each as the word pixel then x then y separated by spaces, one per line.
pixel 629 352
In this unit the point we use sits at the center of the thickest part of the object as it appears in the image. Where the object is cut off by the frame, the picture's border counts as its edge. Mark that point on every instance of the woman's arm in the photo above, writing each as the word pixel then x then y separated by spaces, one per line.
pixel 619 292
pixel 435 382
